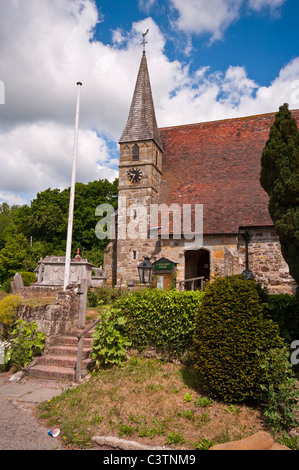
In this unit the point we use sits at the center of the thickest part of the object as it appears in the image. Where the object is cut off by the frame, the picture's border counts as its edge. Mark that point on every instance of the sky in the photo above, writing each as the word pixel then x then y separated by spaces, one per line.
pixel 207 59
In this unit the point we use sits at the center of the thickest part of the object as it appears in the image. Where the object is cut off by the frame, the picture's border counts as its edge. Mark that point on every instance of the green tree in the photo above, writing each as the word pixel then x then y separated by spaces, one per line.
pixel 280 179
pixel 7 216
pixel 13 254
pixel 45 223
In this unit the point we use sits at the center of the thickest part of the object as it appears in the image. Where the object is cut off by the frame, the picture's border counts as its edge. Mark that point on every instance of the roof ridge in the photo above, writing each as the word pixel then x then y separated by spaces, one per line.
pixel 273 113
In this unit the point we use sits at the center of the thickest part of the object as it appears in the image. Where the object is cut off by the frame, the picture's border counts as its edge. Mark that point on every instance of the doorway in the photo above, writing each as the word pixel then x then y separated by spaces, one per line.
pixel 197 264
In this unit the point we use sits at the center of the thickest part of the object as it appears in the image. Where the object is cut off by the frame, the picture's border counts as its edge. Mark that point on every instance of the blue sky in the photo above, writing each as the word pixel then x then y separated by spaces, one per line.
pixel 208 60
pixel 262 40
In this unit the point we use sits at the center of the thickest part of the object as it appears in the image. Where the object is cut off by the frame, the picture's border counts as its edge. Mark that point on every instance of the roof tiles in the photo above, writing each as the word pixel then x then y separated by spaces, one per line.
pixel 218 164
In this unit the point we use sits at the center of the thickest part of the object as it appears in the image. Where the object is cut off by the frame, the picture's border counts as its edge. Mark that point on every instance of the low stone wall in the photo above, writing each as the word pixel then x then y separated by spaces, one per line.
pixel 54 319
pixel 37 290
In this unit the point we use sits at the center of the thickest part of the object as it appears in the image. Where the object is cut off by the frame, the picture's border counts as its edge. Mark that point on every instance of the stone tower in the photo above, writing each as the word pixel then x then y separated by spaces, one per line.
pixel 140 173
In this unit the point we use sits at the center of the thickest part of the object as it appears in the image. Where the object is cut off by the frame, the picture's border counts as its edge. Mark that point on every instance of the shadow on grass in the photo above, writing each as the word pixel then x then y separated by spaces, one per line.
pixel 192 380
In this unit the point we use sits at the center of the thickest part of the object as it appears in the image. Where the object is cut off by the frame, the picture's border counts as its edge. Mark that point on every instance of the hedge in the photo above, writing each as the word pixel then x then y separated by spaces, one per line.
pixel 283 309
pixel 165 319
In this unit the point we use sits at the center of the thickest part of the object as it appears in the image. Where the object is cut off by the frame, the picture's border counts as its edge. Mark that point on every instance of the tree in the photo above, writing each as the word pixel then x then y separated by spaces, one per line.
pixel 280 179
pixel 13 254
pixel 46 221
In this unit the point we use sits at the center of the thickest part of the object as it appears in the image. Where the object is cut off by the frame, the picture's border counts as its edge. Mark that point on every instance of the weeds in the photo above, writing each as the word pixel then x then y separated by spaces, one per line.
pixel 147 401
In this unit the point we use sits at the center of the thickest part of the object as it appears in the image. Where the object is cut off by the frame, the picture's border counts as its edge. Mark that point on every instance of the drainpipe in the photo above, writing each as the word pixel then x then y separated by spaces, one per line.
pixel 247 274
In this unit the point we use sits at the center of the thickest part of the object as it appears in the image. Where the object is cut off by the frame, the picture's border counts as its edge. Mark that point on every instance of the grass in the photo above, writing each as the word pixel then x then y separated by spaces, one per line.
pixel 149 401
pixel 38 301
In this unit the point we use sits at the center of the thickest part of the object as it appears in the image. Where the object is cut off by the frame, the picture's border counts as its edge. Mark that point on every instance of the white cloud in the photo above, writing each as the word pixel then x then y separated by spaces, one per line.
pixel 146 5
pixel 39 155
pixel 206 16
pixel 273 5
pixel 213 17
pixel 221 95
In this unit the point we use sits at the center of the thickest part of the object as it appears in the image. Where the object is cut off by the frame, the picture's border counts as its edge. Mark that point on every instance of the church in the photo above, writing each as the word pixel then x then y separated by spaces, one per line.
pixel 212 166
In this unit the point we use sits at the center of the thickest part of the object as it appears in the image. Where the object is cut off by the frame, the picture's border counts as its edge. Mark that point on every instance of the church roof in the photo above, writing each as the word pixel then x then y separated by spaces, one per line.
pixel 141 123
pixel 218 164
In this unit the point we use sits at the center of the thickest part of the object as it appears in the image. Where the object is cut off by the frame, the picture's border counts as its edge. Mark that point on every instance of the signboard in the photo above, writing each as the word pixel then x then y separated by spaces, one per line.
pixel 164 265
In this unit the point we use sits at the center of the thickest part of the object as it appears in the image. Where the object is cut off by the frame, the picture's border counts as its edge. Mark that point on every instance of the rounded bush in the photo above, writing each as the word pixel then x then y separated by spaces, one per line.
pixel 231 332
pixel 28 278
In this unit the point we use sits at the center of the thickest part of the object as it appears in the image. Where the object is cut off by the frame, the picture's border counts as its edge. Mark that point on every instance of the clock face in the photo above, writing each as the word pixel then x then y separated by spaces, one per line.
pixel 134 175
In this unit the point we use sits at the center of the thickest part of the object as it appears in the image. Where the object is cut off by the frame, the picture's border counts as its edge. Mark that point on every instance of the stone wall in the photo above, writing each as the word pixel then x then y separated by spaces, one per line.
pixel 266 261
pixel 39 291
pixel 227 257
pixel 54 319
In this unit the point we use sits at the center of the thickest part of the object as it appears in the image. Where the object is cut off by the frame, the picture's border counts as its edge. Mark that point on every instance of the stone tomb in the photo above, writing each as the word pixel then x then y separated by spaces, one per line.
pixel 51 271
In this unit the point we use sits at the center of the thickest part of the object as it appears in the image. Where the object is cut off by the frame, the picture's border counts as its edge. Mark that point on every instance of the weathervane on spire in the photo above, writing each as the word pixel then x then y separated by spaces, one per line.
pixel 144 42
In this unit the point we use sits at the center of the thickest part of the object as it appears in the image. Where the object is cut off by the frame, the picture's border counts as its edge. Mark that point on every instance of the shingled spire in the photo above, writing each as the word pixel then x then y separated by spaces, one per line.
pixel 142 124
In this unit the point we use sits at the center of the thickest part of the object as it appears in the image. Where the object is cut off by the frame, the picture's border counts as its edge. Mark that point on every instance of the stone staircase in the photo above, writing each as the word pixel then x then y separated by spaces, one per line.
pixel 59 361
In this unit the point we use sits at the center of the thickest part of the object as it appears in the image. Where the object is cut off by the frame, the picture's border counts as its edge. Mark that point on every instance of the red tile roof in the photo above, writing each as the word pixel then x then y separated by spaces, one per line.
pixel 218 164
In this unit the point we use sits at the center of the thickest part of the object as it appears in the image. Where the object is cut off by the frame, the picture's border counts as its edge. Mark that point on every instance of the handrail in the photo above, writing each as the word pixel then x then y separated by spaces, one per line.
pixel 80 336
pixel 193 279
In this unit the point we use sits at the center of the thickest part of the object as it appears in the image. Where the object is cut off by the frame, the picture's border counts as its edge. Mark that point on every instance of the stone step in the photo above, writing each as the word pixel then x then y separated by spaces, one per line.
pixel 52 372
pixel 67 350
pixel 73 341
pixel 62 361
pixel 59 361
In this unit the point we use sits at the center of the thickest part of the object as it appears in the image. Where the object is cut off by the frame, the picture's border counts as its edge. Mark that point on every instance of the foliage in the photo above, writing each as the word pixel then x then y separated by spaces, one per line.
pixel 47 218
pixel 280 179
pixel 13 254
pixel 8 312
pixel 104 295
pixel 45 223
pixel 28 278
pixel 109 342
pixel 165 319
pixel 27 342
pixel 230 333
pixel 284 310
pixel 279 390
pixel 6 286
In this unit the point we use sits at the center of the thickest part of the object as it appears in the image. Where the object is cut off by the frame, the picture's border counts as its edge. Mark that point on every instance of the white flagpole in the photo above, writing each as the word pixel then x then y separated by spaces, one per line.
pixel 72 197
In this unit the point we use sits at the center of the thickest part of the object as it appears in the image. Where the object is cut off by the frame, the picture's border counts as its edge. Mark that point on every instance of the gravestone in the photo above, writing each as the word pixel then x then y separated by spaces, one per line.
pixel 17 284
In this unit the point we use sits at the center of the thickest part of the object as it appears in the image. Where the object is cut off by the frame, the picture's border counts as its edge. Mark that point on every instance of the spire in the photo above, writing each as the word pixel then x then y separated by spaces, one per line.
pixel 142 124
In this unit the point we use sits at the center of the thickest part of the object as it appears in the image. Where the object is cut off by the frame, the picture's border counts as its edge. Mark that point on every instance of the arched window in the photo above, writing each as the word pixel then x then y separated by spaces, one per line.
pixel 135 153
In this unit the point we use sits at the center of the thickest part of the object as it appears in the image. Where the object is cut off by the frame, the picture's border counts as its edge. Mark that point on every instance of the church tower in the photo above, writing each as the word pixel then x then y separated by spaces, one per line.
pixel 140 165
pixel 140 175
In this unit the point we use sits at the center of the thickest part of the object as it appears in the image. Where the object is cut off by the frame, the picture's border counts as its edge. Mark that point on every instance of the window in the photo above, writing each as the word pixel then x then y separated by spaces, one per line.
pixel 134 254
pixel 156 158
pixel 135 153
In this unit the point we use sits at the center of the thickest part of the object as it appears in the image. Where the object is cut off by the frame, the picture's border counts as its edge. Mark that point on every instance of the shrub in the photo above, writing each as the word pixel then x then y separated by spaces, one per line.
pixel 109 343
pixel 284 310
pixel 6 286
pixel 103 295
pixel 231 332
pixel 28 278
pixel 8 313
pixel 165 319
pixel 279 390
pixel 26 343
